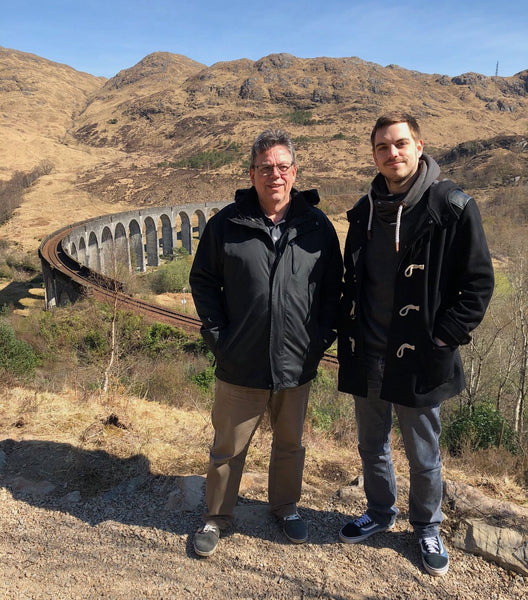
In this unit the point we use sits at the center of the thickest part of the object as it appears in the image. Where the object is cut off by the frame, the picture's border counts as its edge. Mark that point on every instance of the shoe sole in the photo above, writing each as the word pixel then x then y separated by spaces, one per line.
pixel 204 553
pixel 296 540
pixel 361 538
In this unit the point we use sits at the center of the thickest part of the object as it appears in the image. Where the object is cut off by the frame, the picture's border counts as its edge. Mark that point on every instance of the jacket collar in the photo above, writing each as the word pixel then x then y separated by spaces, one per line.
pixel 248 207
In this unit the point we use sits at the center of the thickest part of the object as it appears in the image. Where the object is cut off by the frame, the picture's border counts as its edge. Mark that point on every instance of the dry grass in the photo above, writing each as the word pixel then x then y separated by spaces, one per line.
pixel 138 435
pixel 169 433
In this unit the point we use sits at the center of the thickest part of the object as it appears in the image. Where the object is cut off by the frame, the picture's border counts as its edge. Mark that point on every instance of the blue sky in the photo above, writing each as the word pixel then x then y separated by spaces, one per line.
pixel 103 37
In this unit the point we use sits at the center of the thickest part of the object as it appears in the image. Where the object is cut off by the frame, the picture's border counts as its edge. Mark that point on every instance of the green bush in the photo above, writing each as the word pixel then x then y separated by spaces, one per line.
pixel 16 356
pixel 209 159
pixel 205 379
pixel 301 117
pixel 95 342
pixel 163 340
pixel 171 277
pixel 479 428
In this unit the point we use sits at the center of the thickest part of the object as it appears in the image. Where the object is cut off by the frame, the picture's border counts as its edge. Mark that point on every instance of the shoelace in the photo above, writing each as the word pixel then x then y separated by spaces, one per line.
pixel 431 545
pixel 209 527
pixel 363 520
pixel 291 517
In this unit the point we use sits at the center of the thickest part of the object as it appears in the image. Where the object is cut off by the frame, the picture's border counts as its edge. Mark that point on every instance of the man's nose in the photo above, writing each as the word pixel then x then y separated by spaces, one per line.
pixel 393 151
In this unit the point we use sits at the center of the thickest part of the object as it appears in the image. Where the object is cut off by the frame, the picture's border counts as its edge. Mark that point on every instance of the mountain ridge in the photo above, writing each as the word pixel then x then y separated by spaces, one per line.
pixel 145 135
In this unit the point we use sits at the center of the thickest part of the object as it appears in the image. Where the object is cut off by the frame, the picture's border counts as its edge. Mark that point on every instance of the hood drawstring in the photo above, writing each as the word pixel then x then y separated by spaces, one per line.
pixel 371 214
pixel 398 223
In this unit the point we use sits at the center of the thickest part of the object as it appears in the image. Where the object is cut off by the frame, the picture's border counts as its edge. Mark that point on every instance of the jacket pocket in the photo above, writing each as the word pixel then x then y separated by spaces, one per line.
pixel 303 257
pixel 437 368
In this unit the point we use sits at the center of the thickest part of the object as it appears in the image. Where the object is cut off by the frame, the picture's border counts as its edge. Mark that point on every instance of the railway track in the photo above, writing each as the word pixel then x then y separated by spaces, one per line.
pixel 106 289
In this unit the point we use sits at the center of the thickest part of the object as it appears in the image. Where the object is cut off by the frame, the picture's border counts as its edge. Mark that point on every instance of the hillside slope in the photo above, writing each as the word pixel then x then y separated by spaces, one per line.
pixel 146 136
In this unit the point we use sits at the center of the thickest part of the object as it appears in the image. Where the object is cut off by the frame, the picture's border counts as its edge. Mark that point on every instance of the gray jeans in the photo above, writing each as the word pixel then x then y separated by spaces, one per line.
pixel 420 430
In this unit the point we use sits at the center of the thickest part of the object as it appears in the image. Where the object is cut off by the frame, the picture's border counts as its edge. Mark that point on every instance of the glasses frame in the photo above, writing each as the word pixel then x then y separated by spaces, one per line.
pixel 268 170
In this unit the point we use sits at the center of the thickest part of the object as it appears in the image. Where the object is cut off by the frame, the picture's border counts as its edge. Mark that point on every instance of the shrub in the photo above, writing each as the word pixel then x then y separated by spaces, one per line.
pixel 480 427
pixel 14 262
pixel 209 159
pixel 301 117
pixel 16 356
pixel 95 342
pixel 163 340
pixel 205 379
pixel 12 191
pixel 172 276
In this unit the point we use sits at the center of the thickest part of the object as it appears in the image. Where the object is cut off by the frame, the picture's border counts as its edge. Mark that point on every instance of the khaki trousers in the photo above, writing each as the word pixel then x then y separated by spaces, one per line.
pixel 236 414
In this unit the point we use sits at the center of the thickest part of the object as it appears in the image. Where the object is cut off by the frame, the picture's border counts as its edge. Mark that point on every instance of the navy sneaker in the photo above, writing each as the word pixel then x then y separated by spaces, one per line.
pixel 294 528
pixel 434 555
pixel 206 539
pixel 360 529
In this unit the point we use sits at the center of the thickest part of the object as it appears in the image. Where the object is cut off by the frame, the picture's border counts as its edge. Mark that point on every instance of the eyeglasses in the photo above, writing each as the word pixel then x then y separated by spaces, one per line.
pixel 267 170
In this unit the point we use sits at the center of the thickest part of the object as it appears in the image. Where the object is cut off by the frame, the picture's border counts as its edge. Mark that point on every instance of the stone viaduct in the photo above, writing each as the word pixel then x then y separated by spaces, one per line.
pixel 112 245
pixel 138 238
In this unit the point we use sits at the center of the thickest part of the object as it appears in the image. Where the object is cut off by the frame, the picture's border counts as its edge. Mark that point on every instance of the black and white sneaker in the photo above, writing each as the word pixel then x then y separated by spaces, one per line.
pixel 294 528
pixel 206 539
pixel 360 529
pixel 434 555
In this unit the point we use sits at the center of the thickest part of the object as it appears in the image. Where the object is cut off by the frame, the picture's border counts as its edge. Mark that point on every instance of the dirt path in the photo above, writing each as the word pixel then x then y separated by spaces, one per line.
pixel 131 544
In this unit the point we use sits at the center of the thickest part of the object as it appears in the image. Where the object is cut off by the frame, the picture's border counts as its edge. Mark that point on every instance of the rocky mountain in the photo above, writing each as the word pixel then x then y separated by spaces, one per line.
pixel 169 128
pixel 343 97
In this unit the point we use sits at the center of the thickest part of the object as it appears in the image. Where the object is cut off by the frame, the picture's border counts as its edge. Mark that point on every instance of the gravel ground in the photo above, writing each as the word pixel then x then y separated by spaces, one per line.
pixel 128 543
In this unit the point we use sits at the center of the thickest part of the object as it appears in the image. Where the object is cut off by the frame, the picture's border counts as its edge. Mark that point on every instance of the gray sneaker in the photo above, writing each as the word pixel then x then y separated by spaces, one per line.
pixel 206 539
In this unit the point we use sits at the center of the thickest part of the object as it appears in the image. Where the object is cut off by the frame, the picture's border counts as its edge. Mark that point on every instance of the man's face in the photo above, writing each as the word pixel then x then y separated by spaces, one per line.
pixel 273 189
pixel 396 154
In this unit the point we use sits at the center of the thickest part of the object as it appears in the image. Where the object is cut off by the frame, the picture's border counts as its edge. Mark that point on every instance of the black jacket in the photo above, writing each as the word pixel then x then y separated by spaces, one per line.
pixel 443 285
pixel 268 312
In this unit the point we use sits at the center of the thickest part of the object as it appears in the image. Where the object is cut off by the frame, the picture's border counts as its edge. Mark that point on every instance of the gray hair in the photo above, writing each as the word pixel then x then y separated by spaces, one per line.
pixel 268 139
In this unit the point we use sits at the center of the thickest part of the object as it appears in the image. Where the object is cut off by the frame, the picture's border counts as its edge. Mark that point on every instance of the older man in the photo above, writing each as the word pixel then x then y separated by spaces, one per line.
pixel 265 281
pixel 418 279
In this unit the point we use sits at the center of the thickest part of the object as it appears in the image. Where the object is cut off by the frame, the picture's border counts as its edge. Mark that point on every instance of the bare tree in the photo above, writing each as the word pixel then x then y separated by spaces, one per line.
pixel 518 279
